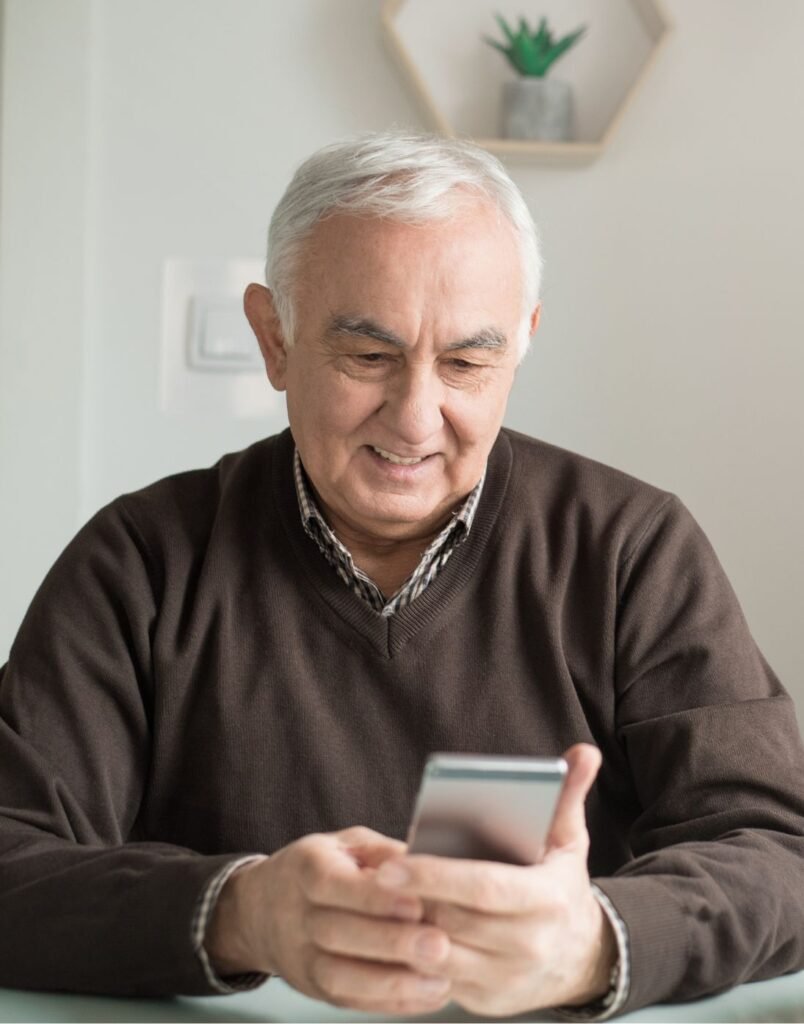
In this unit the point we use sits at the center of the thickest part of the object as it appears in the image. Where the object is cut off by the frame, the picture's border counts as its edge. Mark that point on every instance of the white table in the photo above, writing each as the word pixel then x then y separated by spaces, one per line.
pixel 780 1000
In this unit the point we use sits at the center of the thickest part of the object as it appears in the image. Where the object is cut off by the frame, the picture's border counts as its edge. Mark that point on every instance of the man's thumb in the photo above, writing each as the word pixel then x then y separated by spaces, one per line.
pixel 569 821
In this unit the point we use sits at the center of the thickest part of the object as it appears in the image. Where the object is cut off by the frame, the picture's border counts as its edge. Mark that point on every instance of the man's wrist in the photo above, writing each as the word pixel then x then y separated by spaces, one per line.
pixel 612 1001
pixel 608 963
pixel 604 960
pixel 227 940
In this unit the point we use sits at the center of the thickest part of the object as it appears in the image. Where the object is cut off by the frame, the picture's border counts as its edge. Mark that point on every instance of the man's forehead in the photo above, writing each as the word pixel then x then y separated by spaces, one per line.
pixel 472 252
pixel 375 277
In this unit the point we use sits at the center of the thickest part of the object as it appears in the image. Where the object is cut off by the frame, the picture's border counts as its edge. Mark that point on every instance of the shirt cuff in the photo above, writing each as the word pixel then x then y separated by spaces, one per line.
pixel 201 918
pixel 614 1000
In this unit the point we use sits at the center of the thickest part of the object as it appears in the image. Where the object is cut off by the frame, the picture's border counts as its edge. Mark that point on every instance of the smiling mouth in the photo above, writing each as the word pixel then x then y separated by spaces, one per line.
pixel 397 460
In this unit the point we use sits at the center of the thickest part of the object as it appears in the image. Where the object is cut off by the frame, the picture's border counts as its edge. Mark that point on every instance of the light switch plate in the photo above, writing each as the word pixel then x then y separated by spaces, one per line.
pixel 221 339
pixel 210 361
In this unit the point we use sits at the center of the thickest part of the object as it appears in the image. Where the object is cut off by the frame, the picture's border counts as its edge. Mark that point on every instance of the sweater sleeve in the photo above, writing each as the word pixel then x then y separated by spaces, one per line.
pixel 86 905
pixel 714 894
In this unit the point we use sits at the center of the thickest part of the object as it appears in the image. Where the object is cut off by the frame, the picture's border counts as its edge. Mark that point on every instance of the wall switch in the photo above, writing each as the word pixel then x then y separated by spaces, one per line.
pixel 211 360
pixel 220 338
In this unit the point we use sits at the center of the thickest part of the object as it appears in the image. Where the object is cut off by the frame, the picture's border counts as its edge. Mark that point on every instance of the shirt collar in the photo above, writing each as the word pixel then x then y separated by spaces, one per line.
pixel 464 514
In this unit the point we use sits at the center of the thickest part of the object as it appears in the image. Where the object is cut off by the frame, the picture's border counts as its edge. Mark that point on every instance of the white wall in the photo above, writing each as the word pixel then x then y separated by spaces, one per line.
pixel 44 267
pixel 671 339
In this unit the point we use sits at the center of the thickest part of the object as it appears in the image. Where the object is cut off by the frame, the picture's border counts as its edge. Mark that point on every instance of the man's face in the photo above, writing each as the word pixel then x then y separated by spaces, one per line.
pixel 404 355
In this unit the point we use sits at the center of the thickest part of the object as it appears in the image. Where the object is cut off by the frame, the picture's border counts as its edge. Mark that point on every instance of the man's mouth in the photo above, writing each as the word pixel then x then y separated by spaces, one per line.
pixel 398 460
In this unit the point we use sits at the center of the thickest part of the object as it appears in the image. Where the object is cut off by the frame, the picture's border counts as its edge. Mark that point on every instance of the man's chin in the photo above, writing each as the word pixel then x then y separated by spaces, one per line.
pixel 400 520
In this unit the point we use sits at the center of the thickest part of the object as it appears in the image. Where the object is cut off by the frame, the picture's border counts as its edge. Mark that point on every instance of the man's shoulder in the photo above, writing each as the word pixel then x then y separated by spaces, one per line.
pixel 572 486
pixel 170 526
pixel 553 463
pixel 191 501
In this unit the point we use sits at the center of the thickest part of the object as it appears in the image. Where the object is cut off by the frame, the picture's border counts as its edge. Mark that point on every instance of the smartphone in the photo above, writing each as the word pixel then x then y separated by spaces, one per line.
pixel 486 807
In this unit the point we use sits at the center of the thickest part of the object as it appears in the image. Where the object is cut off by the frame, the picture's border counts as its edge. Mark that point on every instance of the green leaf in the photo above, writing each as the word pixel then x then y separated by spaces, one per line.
pixel 507 30
pixel 532 53
pixel 525 56
pixel 540 39
pixel 562 46
pixel 540 67
pixel 496 44
pixel 572 37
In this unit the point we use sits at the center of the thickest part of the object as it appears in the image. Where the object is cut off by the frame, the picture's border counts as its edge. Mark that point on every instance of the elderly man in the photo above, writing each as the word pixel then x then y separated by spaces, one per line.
pixel 256 659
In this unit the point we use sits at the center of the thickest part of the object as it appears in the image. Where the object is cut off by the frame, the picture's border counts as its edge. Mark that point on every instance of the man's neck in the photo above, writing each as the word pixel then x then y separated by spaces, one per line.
pixel 387 560
pixel 388 563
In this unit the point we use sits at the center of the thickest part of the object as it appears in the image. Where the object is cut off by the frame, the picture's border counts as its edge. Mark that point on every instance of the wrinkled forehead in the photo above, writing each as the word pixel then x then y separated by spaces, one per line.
pixel 462 272
pixel 472 226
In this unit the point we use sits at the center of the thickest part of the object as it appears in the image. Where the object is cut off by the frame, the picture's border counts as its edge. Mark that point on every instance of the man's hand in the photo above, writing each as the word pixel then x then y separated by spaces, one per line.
pixel 314 914
pixel 521 938
pixel 498 939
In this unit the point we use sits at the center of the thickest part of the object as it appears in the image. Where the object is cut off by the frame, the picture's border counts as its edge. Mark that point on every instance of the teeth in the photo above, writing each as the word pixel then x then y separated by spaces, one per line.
pixel 397 459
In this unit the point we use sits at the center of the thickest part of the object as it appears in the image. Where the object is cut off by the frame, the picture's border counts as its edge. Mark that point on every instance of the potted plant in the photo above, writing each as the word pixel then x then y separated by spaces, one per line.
pixel 535 107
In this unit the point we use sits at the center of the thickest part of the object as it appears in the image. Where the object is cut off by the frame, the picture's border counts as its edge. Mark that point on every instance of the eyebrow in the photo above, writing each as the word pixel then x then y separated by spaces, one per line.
pixel 486 337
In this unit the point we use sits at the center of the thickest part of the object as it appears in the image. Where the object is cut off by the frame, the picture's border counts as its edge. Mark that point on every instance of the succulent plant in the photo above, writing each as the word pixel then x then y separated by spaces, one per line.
pixel 532 53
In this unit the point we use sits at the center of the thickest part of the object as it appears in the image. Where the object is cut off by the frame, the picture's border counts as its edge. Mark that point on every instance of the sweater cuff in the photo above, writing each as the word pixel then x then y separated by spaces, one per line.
pixel 654 923
pixel 201 918
pixel 614 1000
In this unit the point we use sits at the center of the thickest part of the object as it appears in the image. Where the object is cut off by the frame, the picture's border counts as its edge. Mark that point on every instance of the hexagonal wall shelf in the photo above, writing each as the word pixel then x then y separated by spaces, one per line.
pixel 457 77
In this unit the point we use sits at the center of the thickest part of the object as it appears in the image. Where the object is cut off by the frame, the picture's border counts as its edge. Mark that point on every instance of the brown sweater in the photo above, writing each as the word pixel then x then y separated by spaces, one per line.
pixel 193 681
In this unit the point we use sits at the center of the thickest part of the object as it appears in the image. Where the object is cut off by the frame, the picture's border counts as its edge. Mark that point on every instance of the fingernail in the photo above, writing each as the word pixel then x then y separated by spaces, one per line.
pixel 429 946
pixel 434 986
pixel 393 875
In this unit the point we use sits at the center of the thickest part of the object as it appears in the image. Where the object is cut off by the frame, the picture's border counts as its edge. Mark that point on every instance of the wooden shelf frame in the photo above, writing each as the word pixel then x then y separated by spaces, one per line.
pixel 658 27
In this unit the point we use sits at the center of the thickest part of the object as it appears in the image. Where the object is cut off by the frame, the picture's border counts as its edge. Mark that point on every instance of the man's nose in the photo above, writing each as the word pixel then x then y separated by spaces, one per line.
pixel 413 404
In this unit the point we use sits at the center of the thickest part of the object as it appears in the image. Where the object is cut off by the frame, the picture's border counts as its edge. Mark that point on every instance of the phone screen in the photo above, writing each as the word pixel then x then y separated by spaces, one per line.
pixel 486 808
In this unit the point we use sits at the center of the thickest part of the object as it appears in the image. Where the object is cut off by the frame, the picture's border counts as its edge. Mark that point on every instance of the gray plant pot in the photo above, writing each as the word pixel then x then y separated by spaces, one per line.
pixel 537 108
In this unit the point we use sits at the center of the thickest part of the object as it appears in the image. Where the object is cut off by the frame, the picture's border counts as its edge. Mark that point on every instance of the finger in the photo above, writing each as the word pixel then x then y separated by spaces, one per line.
pixel 369 848
pixel 503 935
pixel 356 935
pixel 479 884
pixel 568 827
pixel 468 964
pixel 331 877
pixel 354 982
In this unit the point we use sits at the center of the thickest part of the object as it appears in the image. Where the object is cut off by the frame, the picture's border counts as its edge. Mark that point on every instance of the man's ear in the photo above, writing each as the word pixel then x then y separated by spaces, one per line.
pixel 258 303
pixel 535 317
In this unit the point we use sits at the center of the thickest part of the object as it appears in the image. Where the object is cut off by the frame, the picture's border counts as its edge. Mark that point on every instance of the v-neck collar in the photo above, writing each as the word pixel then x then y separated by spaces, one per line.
pixel 388 635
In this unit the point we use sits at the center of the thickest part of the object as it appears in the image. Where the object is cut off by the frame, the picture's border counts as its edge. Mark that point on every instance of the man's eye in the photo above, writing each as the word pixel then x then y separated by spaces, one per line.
pixel 371 357
pixel 461 364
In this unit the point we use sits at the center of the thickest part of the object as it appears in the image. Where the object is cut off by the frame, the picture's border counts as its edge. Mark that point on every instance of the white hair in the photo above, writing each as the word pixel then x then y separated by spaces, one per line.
pixel 402 175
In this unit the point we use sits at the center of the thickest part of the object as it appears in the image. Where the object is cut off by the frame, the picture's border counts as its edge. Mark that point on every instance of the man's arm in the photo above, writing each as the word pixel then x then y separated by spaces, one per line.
pixel 88 906
pixel 84 905
pixel 715 893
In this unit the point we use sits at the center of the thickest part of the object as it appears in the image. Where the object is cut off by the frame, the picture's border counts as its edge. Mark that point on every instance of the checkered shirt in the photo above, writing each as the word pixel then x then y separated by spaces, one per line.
pixel 430 565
